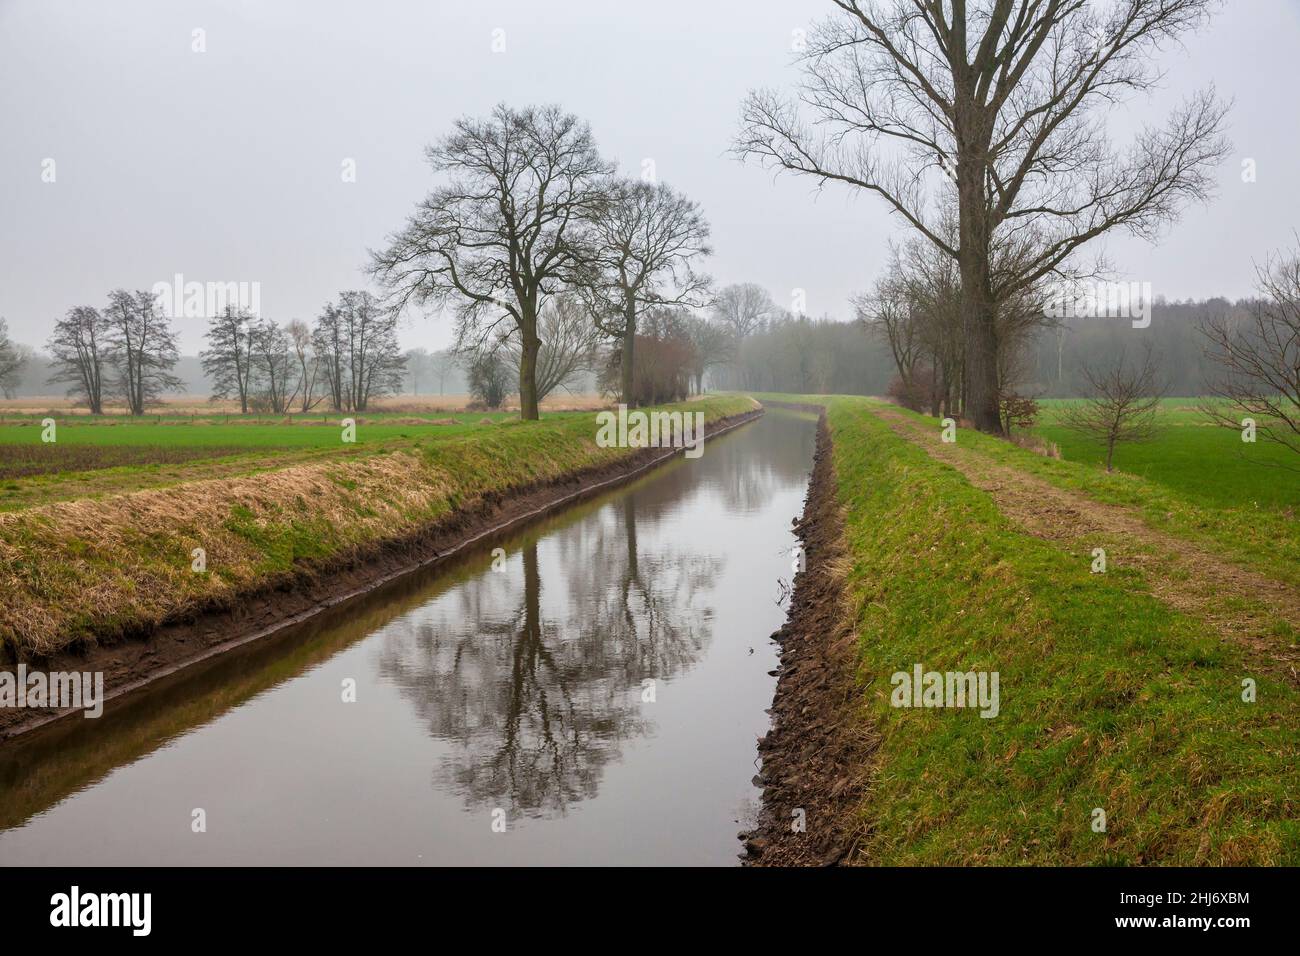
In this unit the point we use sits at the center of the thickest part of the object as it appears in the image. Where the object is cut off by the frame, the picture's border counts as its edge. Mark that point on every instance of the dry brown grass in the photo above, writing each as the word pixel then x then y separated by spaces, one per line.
pixel 74 569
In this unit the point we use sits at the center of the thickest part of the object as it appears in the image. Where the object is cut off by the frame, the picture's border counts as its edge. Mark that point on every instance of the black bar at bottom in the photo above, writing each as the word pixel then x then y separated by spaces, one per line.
pixel 300 905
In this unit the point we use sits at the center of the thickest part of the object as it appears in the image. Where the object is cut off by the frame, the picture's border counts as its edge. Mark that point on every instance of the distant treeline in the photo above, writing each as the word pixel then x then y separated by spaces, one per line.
pixel 826 356
pixel 790 354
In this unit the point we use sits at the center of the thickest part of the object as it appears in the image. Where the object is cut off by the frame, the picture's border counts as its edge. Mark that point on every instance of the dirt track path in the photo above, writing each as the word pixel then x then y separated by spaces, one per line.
pixel 1240 604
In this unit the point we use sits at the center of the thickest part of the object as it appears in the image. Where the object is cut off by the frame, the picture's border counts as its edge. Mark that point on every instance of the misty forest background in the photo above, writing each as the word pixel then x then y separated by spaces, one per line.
pixel 786 353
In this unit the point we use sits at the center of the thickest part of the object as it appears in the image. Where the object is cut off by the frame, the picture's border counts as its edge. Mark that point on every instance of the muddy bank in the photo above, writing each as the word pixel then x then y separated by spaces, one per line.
pixel 816 756
pixel 128 665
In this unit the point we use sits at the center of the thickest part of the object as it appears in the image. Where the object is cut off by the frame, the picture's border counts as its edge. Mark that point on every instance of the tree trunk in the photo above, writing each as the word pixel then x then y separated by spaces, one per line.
pixel 978 311
pixel 934 385
pixel 627 379
pixel 978 314
pixel 531 345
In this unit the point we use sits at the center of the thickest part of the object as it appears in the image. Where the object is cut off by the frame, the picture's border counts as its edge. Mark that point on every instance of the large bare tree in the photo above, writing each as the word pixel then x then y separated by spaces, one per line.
pixel 999 107
pixel 506 231
pixel 1257 352
pixel 646 241
pixel 78 352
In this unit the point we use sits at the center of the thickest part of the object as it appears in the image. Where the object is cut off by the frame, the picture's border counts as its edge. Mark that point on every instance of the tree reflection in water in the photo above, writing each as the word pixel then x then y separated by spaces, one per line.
pixel 537 690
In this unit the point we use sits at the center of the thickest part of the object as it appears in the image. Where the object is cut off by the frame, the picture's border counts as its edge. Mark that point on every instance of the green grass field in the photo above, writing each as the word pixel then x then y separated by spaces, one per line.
pixel 247 432
pixel 1199 460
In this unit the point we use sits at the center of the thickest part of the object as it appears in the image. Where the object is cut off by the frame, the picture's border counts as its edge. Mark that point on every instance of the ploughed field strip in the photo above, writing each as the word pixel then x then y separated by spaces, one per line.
pixel 1242 605
pixel 1126 730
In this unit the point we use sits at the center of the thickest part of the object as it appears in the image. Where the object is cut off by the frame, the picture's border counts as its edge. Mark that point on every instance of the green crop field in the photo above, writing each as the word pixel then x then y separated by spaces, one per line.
pixel 92 456
pixel 1200 460
pixel 248 431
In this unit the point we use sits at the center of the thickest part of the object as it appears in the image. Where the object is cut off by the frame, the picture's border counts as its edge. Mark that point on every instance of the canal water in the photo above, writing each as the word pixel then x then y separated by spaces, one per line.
pixel 587 690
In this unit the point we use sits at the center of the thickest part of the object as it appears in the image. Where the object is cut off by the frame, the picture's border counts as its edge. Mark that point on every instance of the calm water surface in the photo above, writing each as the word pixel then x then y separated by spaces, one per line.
pixel 516 693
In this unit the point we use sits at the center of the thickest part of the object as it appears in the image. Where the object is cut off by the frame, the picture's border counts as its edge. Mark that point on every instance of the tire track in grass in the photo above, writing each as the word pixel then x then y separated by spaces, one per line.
pixel 1241 605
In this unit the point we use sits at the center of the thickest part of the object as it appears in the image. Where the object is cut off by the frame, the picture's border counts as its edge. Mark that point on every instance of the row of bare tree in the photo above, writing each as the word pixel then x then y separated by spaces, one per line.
pixel 125 351
pixel 350 356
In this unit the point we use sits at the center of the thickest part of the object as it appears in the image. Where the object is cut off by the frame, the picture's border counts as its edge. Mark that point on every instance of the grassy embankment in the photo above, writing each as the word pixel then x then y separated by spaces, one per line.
pixel 78 568
pixel 1109 698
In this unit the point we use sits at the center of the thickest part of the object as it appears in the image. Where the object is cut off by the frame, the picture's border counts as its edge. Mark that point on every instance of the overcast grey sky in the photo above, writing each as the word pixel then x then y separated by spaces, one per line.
pixel 226 165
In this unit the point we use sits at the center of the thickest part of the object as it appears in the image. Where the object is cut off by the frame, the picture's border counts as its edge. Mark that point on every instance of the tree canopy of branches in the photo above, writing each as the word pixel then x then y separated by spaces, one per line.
pixel 507 230
pixel 996 106
pixel 1122 407
pixel 646 239
pixel 141 349
pixel 743 309
pixel 1258 356
pixel 711 346
pixel 78 351
pixel 355 341
pixel 276 377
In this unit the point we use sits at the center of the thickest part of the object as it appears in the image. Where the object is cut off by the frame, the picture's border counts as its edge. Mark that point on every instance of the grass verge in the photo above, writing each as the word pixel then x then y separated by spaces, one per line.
pixel 1109 699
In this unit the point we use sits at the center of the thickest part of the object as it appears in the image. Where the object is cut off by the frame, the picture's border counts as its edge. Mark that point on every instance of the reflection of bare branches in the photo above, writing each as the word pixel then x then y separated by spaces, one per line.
pixel 533 689
pixel 537 707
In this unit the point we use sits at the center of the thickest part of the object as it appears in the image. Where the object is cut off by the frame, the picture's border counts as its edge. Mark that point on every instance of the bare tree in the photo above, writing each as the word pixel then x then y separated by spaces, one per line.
pixel 1258 356
pixel 488 377
pixel 418 361
pixel 1122 407
pixel 997 106
pixel 77 348
pixel 889 313
pixel 274 365
pixel 300 336
pixel 141 347
pixel 355 342
pixel 228 359
pixel 712 347
pixel 12 360
pixel 743 309
pixel 646 240
pixel 506 232
pixel 444 363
